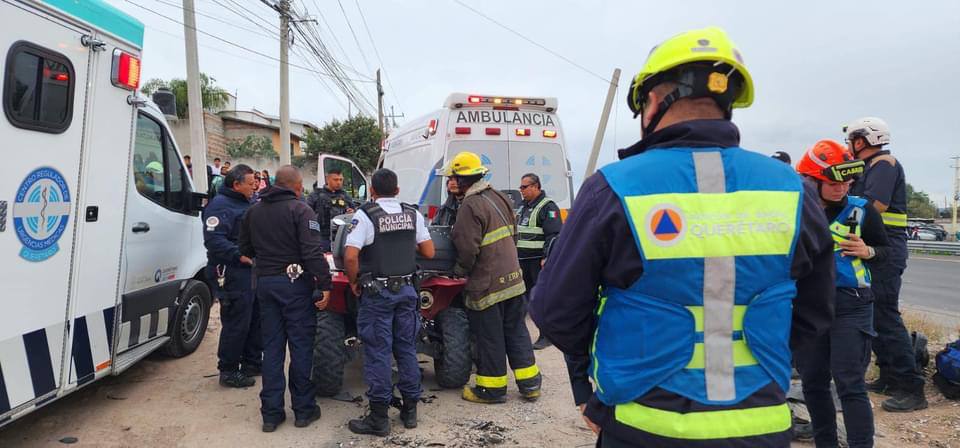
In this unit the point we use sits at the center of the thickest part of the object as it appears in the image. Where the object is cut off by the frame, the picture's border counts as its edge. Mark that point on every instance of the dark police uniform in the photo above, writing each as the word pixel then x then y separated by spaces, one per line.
pixel 447 215
pixel 327 204
pixel 280 232
pixel 884 181
pixel 597 247
pixel 240 340
pixel 843 353
pixel 538 224
pixel 387 234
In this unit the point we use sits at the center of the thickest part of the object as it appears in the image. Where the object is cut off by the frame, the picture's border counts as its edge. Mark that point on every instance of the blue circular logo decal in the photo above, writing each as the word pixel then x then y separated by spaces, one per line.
pixel 40 213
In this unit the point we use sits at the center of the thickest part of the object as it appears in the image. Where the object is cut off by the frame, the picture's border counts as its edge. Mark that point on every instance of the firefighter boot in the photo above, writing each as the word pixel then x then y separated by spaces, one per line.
pixel 479 394
pixel 375 422
pixel 408 413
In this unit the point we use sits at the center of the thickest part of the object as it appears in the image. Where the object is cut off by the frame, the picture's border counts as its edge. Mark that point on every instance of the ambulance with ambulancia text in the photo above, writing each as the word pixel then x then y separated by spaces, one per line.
pixel 513 135
pixel 100 233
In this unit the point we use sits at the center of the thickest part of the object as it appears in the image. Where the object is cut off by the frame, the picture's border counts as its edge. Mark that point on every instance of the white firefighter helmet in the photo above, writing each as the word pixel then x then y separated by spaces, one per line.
pixel 874 130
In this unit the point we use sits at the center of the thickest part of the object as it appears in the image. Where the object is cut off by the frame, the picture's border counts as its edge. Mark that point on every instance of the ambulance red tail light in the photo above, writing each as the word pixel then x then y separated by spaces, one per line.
pixel 432 212
pixel 523 132
pixel 493 131
pixel 432 127
pixel 126 70
pixel 463 131
pixel 550 134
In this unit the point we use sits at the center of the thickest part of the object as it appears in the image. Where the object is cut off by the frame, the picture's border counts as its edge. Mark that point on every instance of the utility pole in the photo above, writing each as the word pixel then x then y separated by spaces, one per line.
pixel 198 140
pixel 956 194
pixel 394 116
pixel 284 83
pixel 383 130
pixel 602 128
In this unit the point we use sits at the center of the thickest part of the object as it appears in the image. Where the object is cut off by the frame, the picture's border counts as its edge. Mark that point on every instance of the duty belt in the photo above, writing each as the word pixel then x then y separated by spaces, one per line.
pixel 375 285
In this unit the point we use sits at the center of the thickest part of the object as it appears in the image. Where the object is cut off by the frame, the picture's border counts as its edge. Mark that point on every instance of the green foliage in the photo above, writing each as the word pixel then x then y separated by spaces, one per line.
pixel 919 204
pixel 212 95
pixel 253 147
pixel 357 139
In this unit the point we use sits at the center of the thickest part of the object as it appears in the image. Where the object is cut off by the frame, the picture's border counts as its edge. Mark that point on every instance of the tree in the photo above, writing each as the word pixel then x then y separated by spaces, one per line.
pixel 211 95
pixel 919 204
pixel 357 138
pixel 253 147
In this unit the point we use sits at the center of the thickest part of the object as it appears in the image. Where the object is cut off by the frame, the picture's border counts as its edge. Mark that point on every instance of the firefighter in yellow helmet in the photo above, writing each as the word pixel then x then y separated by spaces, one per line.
pixel 679 272
pixel 485 237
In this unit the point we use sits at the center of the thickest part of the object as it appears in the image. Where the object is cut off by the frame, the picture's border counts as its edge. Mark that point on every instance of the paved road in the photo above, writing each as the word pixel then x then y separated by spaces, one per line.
pixel 932 283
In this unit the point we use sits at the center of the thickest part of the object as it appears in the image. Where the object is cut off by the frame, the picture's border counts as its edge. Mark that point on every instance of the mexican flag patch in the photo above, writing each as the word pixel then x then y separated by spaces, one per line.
pixel 552 214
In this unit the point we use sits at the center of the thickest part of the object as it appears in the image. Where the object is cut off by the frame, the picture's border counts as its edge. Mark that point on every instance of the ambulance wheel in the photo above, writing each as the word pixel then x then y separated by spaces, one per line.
pixel 189 320
pixel 329 353
pixel 453 365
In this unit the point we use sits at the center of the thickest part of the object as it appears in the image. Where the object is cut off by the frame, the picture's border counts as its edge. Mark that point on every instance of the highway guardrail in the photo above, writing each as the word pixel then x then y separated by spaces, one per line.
pixel 935 247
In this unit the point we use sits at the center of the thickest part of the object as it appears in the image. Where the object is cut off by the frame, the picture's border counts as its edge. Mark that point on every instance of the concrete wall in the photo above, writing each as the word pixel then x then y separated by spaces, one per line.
pixel 213 128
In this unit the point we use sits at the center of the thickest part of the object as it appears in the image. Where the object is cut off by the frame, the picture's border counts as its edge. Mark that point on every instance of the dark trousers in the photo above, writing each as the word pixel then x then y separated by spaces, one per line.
pixel 893 347
pixel 842 354
pixel 531 271
pixel 501 333
pixel 288 318
pixel 388 324
pixel 240 340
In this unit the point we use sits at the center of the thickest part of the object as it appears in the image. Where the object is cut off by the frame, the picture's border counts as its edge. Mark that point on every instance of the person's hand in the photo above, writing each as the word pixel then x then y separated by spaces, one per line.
pixel 855 247
pixel 349 210
pixel 355 287
pixel 324 300
pixel 246 260
pixel 543 261
pixel 593 426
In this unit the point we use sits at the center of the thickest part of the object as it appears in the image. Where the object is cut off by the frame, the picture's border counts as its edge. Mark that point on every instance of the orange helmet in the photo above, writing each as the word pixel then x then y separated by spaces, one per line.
pixel 830 161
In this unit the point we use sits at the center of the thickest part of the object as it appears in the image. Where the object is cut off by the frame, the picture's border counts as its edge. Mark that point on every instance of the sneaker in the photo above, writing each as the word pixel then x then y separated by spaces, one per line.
pixel 272 426
pixel 481 395
pixel 236 379
pixel 905 402
pixel 304 422
pixel 541 343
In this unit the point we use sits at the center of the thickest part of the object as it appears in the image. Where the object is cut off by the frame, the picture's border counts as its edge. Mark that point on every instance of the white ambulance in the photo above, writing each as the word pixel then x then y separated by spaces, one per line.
pixel 513 135
pixel 100 234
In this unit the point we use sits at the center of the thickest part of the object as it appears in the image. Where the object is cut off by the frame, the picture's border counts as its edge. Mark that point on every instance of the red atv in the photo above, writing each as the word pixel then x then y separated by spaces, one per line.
pixel 444 332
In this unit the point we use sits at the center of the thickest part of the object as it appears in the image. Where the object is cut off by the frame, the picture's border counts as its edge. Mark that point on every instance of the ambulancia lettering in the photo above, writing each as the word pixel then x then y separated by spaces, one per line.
pixel 505 117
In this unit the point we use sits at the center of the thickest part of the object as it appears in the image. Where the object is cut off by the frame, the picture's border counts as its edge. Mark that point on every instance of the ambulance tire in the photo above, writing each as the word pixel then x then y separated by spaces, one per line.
pixel 453 365
pixel 329 353
pixel 189 320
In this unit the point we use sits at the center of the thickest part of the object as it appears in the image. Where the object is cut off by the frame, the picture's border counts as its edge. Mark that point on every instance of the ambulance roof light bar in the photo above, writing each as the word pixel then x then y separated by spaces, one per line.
pixel 460 100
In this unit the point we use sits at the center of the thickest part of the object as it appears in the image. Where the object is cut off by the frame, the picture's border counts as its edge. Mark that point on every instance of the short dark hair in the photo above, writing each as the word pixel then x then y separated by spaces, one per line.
pixel 384 182
pixel 214 159
pixel 334 171
pixel 236 175
pixel 227 162
pixel 533 177
pixel 187 157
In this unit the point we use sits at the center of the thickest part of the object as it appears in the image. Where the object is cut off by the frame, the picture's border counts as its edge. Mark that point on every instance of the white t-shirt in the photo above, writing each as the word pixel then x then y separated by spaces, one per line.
pixel 362 233
pixel 214 170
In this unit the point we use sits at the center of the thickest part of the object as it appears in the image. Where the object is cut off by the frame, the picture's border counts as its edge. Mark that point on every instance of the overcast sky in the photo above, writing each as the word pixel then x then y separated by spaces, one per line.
pixel 816 64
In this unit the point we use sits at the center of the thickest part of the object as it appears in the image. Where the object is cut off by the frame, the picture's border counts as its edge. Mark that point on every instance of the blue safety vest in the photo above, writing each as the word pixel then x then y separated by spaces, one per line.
pixel 710 317
pixel 851 271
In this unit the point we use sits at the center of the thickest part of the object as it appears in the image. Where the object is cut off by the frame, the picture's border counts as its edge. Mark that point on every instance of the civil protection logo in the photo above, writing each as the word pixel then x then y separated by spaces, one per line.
pixel 40 213
pixel 665 225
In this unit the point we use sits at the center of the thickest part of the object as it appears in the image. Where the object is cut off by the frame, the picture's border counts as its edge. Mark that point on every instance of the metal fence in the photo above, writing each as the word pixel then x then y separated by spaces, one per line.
pixel 935 247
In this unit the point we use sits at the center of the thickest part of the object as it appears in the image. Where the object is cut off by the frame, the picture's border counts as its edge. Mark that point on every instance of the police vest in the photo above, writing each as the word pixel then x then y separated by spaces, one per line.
pixel 709 319
pixel 530 234
pixel 394 248
pixel 851 271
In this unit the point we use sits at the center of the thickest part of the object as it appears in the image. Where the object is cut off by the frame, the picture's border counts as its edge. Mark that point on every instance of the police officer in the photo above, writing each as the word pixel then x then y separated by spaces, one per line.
pixel 538 224
pixel 282 235
pixel 240 352
pixel 678 266
pixel 493 295
pixel 330 201
pixel 380 260
pixel 843 353
pixel 883 184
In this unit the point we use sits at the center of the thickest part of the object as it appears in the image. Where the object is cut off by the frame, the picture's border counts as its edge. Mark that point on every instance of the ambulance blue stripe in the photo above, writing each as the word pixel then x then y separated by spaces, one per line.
pixel 38 359
pixel 108 315
pixel 82 357
pixel 4 399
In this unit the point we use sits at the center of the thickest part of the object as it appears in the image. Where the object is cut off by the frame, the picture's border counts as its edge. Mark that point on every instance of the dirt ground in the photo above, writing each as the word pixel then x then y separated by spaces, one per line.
pixel 177 402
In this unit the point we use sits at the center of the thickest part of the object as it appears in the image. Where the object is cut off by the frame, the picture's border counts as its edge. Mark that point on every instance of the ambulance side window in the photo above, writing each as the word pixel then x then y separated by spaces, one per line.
pixel 148 167
pixel 38 89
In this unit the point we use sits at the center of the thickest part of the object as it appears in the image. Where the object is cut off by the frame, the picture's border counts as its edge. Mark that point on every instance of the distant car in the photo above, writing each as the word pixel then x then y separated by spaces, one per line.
pixel 926 235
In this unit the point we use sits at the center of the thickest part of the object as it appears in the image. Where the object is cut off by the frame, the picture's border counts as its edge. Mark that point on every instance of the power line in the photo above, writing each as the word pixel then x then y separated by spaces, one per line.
pixel 332 34
pixel 393 91
pixel 354 34
pixel 518 34
pixel 235 44
pixel 217 19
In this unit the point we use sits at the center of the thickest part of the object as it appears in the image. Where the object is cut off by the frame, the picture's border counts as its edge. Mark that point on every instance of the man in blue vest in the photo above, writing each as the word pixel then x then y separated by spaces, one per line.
pixel 240 352
pixel 682 267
